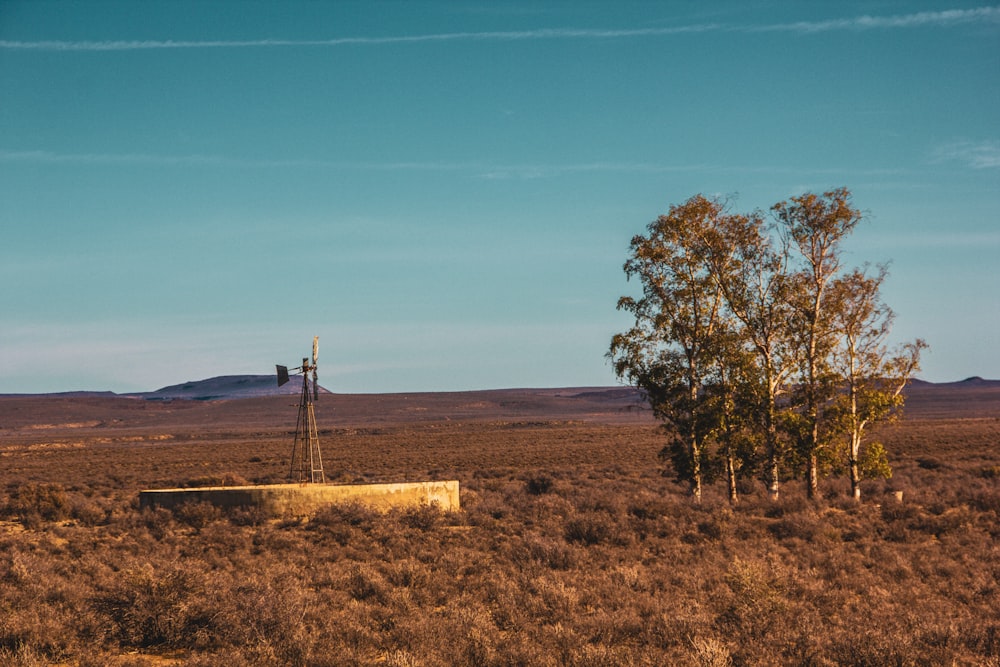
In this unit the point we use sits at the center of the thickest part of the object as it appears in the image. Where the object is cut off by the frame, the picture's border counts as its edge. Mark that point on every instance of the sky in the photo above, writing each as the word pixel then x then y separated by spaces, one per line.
pixel 445 192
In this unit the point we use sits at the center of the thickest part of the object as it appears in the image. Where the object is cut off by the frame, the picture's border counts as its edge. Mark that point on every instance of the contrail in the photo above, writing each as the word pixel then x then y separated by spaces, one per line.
pixel 474 169
pixel 920 19
pixel 939 19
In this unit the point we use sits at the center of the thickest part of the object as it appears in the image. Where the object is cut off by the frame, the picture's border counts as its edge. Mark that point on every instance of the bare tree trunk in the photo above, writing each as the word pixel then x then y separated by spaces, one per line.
pixel 694 444
pixel 812 472
pixel 812 490
pixel 855 451
pixel 772 463
pixel 771 434
pixel 695 471
pixel 812 399
pixel 731 474
pixel 855 468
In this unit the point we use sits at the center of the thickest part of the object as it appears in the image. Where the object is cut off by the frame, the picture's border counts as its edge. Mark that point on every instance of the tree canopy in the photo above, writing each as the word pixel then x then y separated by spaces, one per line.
pixel 761 354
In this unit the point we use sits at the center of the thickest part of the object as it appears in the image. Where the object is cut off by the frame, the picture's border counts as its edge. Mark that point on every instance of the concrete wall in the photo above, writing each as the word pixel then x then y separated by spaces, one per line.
pixel 302 499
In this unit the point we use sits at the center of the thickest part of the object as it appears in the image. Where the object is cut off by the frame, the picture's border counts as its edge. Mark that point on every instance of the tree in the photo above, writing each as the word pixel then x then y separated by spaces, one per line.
pixel 816 226
pixel 669 352
pixel 748 335
pixel 751 272
pixel 732 393
pixel 873 376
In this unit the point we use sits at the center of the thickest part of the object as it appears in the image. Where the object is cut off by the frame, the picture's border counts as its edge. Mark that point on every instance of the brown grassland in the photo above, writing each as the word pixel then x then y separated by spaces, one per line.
pixel 572 547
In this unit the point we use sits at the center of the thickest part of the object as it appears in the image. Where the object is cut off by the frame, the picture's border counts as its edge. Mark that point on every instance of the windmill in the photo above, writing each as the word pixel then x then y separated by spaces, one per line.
pixel 307 462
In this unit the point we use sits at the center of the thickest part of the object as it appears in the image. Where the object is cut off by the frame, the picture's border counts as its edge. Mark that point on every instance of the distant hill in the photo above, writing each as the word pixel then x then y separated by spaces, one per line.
pixel 225 387
pixel 208 404
pixel 969 398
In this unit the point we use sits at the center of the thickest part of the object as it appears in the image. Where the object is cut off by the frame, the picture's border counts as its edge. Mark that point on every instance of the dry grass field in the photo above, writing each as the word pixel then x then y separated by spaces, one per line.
pixel 572 547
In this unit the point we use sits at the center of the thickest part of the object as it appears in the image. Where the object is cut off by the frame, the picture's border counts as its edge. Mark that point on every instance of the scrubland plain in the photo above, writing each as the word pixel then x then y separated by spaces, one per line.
pixel 572 547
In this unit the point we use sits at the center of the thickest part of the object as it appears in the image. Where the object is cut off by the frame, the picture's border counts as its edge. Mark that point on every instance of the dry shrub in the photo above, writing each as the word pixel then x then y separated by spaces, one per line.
pixel 88 511
pixel 929 463
pixel 266 617
pixel 710 652
pixel 249 515
pixel 803 527
pixel 220 479
pixel 986 501
pixel 344 523
pixel 868 646
pixel 197 515
pixel 33 503
pixel 787 504
pixel 152 608
pixel 757 605
pixel 711 528
pixel 537 485
pixel 599 655
pixel 351 513
pixel 367 583
pixel 22 656
pixel 590 529
pixel 158 521
pixel 425 517
pixel 550 552
pixel 399 658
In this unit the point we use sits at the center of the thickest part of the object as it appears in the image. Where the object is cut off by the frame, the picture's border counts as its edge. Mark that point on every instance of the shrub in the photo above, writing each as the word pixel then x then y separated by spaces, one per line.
pixel 88 512
pixel 786 505
pixel 33 503
pixel 198 514
pixel 223 479
pixel 423 517
pixel 21 656
pixel 551 553
pixel 367 583
pixel 592 528
pixel 757 603
pixel 350 513
pixel 929 463
pixel 710 652
pixel 798 526
pixel 248 515
pixel 536 485
pixel 153 608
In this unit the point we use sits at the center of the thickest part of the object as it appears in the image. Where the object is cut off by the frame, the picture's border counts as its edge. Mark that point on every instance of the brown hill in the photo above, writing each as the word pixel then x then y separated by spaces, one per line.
pixel 57 412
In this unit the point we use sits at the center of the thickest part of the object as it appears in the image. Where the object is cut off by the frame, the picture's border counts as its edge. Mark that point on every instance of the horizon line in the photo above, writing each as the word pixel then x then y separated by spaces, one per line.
pixel 554 387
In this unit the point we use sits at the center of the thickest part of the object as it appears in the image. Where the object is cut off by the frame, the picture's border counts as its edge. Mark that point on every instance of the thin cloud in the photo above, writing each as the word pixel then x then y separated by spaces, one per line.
pixel 920 19
pixel 195 160
pixel 940 19
pixel 481 170
pixel 959 239
pixel 541 34
pixel 981 155
pixel 47 157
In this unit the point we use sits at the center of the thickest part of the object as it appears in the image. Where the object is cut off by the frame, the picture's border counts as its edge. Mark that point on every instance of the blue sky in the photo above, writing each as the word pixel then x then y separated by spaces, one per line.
pixel 444 192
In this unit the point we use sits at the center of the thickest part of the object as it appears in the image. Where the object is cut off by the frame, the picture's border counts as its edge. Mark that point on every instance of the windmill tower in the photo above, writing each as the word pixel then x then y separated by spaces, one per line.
pixel 307 462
